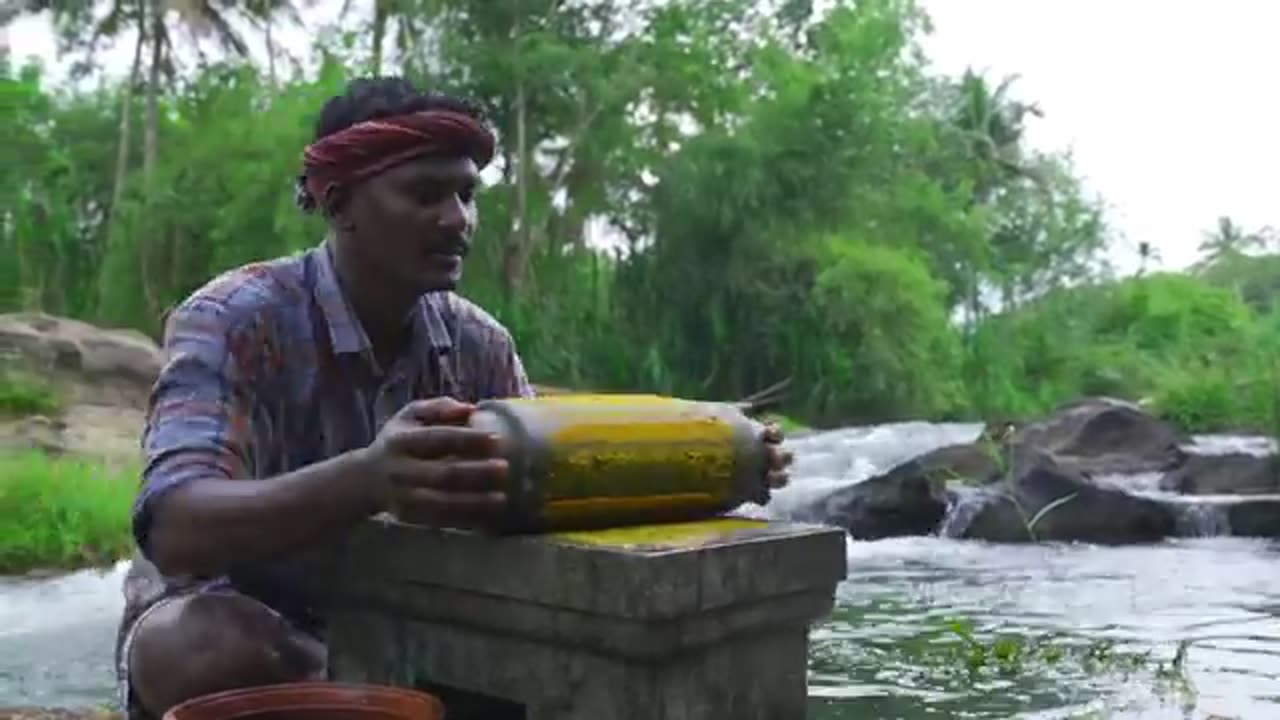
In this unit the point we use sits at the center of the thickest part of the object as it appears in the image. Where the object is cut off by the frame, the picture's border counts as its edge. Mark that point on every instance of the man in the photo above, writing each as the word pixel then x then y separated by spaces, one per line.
pixel 305 394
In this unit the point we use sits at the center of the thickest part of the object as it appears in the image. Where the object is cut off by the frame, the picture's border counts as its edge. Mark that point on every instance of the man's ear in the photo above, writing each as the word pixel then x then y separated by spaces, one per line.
pixel 336 207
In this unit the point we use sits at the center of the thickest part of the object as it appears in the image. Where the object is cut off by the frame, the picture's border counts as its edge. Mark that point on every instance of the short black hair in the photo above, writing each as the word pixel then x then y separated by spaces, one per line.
pixel 371 98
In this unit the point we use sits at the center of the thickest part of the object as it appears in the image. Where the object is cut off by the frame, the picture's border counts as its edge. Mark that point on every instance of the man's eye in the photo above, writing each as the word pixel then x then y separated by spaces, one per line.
pixel 429 195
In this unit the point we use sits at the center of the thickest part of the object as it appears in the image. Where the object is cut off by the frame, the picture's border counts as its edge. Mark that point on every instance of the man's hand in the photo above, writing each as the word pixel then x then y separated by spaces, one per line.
pixel 431 468
pixel 779 459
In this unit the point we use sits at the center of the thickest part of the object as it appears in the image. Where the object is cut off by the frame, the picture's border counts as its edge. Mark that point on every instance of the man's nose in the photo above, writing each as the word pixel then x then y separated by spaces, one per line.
pixel 454 215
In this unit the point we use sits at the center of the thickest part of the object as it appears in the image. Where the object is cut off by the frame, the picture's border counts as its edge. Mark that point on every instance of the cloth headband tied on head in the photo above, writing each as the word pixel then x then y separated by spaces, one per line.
pixel 368 148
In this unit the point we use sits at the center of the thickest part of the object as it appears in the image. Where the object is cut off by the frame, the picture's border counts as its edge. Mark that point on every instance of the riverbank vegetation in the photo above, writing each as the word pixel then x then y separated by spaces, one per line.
pixel 62 512
pixel 23 392
pixel 699 198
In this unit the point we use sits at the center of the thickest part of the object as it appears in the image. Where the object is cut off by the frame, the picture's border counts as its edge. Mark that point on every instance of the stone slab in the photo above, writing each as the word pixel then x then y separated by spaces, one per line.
pixel 646 572
pixel 756 676
pixel 691 621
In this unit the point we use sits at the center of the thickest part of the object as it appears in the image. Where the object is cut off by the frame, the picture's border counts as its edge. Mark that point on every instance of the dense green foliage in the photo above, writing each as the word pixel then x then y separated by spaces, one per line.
pixel 790 194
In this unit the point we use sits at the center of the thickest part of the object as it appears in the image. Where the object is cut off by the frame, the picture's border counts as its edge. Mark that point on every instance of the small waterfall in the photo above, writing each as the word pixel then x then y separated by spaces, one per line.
pixel 1195 516
pixel 828 460
pixel 856 453
pixel 965 504
pixel 1206 519
pixel 1256 445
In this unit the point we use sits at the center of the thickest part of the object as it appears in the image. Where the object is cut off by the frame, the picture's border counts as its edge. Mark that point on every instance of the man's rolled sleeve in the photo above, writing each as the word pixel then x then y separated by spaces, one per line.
pixel 199 422
pixel 507 376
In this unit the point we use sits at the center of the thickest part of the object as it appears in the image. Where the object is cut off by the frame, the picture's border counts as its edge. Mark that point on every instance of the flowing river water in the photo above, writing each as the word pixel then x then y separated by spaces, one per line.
pixel 923 627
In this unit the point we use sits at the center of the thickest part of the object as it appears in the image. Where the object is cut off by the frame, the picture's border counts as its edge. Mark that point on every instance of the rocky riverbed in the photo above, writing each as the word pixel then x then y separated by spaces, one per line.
pixel 1099 470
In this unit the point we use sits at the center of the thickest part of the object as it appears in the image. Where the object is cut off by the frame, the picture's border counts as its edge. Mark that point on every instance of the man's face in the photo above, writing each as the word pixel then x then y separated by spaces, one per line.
pixel 413 223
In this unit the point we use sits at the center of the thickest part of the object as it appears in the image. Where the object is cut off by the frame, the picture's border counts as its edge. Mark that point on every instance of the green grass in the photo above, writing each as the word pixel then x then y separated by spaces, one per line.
pixel 62 513
pixel 22 394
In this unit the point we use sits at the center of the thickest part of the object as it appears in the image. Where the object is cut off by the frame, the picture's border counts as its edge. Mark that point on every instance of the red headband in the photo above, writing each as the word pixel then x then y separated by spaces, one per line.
pixel 368 148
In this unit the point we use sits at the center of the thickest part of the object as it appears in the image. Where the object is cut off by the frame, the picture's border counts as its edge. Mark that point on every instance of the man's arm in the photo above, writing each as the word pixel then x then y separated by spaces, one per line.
pixel 507 377
pixel 201 508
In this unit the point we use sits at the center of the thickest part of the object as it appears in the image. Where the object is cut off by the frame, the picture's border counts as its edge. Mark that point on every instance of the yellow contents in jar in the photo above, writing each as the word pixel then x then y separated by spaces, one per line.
pixel 681 461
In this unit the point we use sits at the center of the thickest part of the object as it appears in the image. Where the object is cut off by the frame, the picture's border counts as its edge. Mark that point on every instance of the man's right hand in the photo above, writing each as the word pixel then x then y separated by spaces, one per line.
pixel 429 467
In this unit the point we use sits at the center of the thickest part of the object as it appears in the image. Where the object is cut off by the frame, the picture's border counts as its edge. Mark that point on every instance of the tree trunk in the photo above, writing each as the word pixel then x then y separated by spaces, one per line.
pixel 516 257
pixel 271 55
pixel 151 130
pixel 150 140
pixel 380 14
pixel 126 121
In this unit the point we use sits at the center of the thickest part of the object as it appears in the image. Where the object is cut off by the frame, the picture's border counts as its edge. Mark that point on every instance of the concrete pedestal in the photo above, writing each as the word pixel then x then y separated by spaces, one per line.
pixel 680 622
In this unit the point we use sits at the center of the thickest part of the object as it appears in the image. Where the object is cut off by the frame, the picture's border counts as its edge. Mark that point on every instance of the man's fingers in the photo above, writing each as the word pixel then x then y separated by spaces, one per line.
pixel 779 458
pixel 438 411
pixel 784 458
pixel 448 509
pixel 452 476
pixel 440 441
pixel 777 479
pixel 772 433
pixel 426 506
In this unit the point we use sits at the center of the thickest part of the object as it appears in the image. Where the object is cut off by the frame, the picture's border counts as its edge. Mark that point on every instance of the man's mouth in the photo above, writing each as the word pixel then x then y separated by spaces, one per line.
pixel 447 261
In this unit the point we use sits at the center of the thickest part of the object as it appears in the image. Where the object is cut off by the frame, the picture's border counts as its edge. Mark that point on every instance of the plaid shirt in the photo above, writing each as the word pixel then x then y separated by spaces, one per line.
pixel 269 371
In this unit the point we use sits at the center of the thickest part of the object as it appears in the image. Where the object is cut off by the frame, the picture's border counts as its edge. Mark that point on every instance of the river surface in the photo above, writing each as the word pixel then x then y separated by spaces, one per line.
pixel 923 627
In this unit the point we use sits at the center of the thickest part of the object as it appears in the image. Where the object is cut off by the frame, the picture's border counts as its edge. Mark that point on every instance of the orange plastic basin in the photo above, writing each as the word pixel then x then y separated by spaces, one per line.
pixel 312 701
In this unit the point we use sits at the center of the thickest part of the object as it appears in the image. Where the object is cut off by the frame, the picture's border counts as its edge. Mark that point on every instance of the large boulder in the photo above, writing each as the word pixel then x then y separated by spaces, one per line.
pixel 1105 436
pixel 1225 473
pixel 1257 517
pixel 910 499
pixel 1045 500
pixel 102 365
pixel 968 463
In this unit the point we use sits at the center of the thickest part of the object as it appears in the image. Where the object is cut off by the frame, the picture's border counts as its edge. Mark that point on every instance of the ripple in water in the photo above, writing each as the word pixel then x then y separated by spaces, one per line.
pixel 889 651
pixel 57 637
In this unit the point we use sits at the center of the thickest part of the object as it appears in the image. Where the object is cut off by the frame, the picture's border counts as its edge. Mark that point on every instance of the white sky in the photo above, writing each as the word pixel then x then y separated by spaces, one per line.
pixel 1171 109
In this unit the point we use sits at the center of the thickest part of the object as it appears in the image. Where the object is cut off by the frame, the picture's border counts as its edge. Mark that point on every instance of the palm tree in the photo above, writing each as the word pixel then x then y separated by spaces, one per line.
pixel 1229 239
pixel 81 27
pixel 993 126
pixel 263 13
pixel 1147 255
pixel 408 17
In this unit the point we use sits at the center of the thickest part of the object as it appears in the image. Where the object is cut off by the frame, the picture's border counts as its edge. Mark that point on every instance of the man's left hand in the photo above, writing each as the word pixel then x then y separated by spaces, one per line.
pixel 779 459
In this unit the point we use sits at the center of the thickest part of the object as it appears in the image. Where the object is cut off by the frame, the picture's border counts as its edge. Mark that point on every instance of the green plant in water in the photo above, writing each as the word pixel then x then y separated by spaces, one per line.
pixel 994 449
pixel 1012 654
pixel 1048 508
pixel 1031 522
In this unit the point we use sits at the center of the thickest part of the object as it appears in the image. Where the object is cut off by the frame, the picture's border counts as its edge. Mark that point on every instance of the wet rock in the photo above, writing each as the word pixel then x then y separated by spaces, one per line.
pixel 1105 436
pixel 1230 473
pixel 1257 517
pixel 1045 500
pixel 910 499
pixel 970 463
